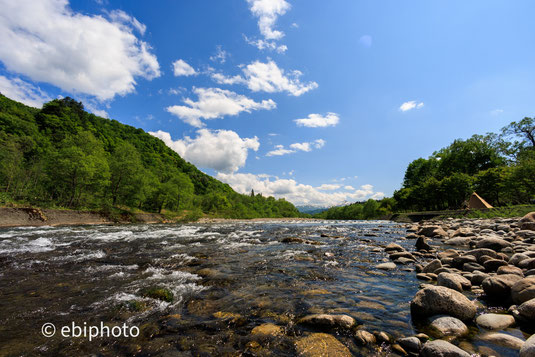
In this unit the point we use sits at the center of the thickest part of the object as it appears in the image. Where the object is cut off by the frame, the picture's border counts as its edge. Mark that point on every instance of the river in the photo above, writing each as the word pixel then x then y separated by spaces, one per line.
pixel 225 279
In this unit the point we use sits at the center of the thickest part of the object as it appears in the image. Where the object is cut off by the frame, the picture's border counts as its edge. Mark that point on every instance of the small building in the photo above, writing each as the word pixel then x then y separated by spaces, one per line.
pixel 477 202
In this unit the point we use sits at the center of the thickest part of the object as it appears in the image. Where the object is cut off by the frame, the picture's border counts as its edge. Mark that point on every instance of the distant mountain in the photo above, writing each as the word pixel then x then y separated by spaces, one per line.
pixel 311 209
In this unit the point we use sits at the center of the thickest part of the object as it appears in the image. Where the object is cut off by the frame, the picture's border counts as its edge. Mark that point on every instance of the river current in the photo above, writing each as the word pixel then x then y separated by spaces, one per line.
pixel 224 278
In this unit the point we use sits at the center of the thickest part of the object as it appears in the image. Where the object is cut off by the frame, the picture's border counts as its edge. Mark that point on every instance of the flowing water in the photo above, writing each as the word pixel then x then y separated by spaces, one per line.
pixel 225 279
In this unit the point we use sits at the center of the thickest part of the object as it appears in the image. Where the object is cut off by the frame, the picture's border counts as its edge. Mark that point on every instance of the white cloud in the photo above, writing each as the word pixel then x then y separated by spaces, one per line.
pixel 267 77
pixel 294 25
pixel 220 56
pixel 317 120
pixel 181 68
pixel 90 54
pixel 366 40
pixel 328 187
pixel 348 187
pixel 411 105
pixel 24 92
pixel 291 190
pixel 267 12
pixel 95 110
pixel 266 45
pixel 306 146
pixel 221 150
pixel 215 103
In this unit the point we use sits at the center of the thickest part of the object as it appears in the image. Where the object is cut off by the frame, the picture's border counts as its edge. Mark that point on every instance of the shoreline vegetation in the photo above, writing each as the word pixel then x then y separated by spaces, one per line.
pixel 62 157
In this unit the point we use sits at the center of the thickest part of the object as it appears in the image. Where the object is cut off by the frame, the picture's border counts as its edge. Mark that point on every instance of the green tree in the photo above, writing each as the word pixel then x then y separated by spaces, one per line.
pixel 126 172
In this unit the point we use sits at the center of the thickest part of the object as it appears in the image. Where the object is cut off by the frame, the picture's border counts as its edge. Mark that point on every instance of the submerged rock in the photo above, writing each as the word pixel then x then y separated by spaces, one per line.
pixel 321 345
pixel 330 321
pixel 502 339
pixel 439 300
pixel 267 330
pixel 440 348
pixel 363 337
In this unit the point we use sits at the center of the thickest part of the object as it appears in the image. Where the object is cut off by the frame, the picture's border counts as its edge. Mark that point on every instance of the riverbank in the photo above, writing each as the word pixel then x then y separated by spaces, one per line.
pixel 25 216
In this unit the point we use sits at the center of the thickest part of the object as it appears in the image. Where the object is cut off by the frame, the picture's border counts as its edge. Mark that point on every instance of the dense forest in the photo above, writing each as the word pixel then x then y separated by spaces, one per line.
pixel 63 156
pixel 500 167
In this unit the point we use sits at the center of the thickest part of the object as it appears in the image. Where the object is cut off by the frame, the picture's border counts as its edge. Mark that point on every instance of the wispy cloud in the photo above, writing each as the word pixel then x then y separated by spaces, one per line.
pixel 267 12
pixel 181 68
pixel 280 150
pixel 318 120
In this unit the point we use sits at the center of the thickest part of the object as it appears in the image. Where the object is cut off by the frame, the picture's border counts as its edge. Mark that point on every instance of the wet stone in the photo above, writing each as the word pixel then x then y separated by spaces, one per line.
pixel 495 321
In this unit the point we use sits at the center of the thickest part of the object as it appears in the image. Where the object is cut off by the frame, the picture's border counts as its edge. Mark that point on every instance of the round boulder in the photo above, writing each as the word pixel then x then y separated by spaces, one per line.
pixel 495 321
pixel 523 290
pixel 442 326
pixel 526 311
pixel 499 286
pixel 528 349
pixel 440 348
pixel 453 281
pixel 439 300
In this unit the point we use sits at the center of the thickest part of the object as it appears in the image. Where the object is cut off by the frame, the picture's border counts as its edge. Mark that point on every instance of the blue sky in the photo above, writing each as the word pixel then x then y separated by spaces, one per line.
pixel 319 102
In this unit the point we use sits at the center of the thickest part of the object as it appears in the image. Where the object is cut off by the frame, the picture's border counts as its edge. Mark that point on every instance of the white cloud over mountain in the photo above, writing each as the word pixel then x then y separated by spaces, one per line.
pixel 90 54
pixel 291 190
pixel 216 103
pixel 318 120
pixel 268 77
pixel 21 91
pixel 221 150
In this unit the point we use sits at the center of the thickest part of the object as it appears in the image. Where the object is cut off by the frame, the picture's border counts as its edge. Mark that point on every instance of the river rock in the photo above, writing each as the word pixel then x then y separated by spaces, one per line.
pixel 528 222
pixel 411 344
pixel 421 244
pixel 386 266
pixel 517 258
pixel 453 281
pixel 478 277
pixel 492 265
pixel 510 269
pixel 523 290
pixel 459 241
pixel 394 247
pixel 495 321
pixel 404 254
pixel 481 252
pixel 432 231
pixel 463 232
pixel 528 349
pixel 321 345
pixel 439 300
pixel 363 338
pixel 502 339
pixel 473 267
pixel 527 264
pixel 494 243
pixel 447 326
pixel 526 311
pixel 499 286
pixel 267 330
pixel 329 321
pixel 432 266
pixel 440 348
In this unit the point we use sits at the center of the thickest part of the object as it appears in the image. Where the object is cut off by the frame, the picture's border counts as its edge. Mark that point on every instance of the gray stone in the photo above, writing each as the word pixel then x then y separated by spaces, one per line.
pixel 523 290
pixel 493 264
pixel 473 267
pixel 499 286
pixel 447 326
pixel 459 241
pixel 411 344
pixel 495 321
pixel 510 269
pixel 528 222
pixel 330 321
pixel 494 243
pixel 526 311
pixel 364 338
pixel 528 349
pixel 386 266
pixel 527 264
pixel 502 339
pixel 481 252
pixel 517 258
pixel 432 266
pixel 421 244
pixel 439 300
pixel 453 281
pixel 432 231
pixel 440 348
pixel 478 277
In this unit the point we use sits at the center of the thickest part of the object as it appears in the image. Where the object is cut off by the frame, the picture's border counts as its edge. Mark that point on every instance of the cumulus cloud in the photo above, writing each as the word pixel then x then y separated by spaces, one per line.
pixel 181 68
pixel 291 190
pixel 267 12
pixel 221 150
pixel 318 120
pixel 280 150
pixel 215 103
pixel 328 187
pixel 24 92
pixel 89 54
pixel 268 77
pixel 411 105
pixel 348 187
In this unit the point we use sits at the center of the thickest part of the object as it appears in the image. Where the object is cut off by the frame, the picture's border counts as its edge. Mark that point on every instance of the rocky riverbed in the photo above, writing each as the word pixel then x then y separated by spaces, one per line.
pixel 275 288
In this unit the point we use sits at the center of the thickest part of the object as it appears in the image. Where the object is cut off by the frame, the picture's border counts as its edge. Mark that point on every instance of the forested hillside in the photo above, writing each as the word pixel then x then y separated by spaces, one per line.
pixel 62 156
